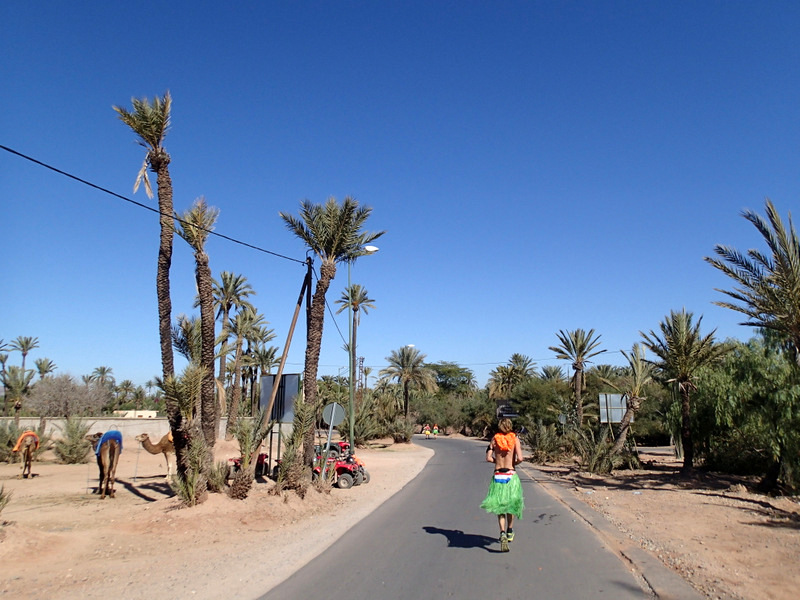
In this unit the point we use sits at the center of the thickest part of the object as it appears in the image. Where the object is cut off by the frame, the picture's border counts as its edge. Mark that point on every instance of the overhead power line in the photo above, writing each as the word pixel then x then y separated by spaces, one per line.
pixel 144 206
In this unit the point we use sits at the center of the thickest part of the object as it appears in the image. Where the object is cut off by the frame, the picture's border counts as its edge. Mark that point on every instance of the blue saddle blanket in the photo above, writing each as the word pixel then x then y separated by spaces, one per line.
pixel 109 435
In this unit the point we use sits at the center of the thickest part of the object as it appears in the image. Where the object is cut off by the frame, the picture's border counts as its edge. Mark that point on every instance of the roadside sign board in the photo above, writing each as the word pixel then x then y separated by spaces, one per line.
pixel 333 414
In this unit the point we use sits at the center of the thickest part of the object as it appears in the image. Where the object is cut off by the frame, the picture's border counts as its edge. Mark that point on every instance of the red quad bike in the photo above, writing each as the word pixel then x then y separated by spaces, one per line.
pixel 347 472
pixel 336 450
pixel 234 464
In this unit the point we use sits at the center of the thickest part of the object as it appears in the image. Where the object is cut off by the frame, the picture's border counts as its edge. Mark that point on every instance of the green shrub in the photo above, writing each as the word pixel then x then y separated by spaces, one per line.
pixel 192 487
pixel 9 434
pixel 218 477
pixel 543 441
pixel 73 447
pixel 250 433
pixel 292 473
pixel 596 454
pixel 366 426
pixel 402 430
pixel 4 497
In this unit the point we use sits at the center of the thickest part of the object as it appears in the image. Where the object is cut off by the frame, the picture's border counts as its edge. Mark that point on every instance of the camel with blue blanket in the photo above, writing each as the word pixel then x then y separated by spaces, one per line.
pixel 107 447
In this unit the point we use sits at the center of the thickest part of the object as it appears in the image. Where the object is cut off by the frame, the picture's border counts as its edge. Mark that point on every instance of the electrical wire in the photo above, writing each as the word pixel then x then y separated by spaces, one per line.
pixel 146 207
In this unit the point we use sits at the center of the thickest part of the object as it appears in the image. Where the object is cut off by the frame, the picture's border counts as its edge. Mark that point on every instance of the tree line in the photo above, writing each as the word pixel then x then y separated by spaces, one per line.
pixel 225 367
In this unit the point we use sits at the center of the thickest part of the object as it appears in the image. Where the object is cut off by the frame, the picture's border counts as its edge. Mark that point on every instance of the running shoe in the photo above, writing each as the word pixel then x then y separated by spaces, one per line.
pixel 503 542
pixel 510 535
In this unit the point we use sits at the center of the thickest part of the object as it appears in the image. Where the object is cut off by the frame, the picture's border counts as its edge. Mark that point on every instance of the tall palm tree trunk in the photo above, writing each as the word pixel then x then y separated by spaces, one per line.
pixel 208 412
pixel 236 394
pixel 180 430
pixel 316 320
pixel 164 182
pixel 625 425
pixel 578 396
pixel 222 401
pixel 686 430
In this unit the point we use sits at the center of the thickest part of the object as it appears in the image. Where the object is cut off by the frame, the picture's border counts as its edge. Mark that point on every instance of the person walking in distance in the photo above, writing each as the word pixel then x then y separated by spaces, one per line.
pixel 504 497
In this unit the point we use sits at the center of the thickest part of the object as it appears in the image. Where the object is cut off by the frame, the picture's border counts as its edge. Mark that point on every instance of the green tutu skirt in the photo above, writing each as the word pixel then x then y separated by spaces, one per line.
pixel 504 496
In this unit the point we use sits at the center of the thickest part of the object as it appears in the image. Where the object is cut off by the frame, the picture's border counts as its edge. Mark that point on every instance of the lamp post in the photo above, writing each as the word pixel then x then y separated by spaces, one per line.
pixel 351 346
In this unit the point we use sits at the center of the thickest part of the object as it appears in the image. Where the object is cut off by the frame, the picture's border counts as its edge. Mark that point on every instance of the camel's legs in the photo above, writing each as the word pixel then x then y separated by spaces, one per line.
pixel 102 463
pixel 114 457
pixel 27 461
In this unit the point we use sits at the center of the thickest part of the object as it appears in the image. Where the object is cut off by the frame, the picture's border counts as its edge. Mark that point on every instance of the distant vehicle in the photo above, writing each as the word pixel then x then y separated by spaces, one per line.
pixel 505 411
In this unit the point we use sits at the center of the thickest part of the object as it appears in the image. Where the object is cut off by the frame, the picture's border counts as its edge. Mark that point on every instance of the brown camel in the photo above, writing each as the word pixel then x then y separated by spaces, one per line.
pixel 164 446
pixel 107 447
pixel 26 445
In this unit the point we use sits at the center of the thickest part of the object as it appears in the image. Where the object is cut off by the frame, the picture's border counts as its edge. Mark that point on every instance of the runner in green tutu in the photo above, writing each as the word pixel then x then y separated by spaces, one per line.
pixel 504 498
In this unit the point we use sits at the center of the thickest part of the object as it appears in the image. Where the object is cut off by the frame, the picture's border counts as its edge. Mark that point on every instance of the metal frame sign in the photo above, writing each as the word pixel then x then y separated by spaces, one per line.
pixel 288 389
pixel 612 407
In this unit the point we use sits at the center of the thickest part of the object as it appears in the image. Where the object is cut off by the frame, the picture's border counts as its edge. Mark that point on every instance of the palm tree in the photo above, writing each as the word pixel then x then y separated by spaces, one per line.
pixel 44 366
pixel 264 359
pixel 501 383
pixel 334 233
pixel 124 389
pixel 523 365
pixel 139 396
pixel 103 377
pixel 3 361
pixel 195 225
pixel 578 346
pixel 187 338
pixel 355 299
pixel 606 371
pixel 258 339
pixel 505 378
pixel 150 122
pixel 552 373
pixel 17 384
pixel 407 367
pixel 632 387
pixel 244 324
pixel 24 344
pixel 230 293
pixel 682 351
pixel 768 291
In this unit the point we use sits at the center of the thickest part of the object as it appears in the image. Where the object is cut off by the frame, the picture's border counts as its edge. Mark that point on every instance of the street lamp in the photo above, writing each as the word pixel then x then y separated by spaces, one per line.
pixel 352 354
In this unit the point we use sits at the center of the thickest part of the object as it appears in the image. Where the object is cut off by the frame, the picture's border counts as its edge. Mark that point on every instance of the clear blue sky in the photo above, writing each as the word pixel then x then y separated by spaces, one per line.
pixel 537 166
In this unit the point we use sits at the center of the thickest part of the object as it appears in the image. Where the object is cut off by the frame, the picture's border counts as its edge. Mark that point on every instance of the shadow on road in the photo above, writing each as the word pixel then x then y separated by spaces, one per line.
pixel 458 539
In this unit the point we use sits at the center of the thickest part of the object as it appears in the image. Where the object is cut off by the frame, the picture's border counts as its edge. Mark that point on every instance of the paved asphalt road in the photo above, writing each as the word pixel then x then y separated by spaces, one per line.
pixel 431 541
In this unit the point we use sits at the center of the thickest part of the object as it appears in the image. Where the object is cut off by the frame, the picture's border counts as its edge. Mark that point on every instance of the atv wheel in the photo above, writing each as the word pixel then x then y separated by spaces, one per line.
pixel 366 476
pixel 345 481
pixel 359 478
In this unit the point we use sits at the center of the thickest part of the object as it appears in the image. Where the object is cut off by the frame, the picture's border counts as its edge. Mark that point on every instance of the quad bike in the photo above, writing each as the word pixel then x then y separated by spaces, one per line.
pixel 336 449
pixel 234 464
pixel 347 472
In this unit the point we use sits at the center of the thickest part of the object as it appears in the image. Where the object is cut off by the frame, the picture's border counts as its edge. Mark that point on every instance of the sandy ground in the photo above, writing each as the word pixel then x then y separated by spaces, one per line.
pixel 57 540
pixel 726 541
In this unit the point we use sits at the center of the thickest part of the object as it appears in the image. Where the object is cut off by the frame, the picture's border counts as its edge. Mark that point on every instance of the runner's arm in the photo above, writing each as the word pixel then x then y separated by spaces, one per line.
pixel 517 453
